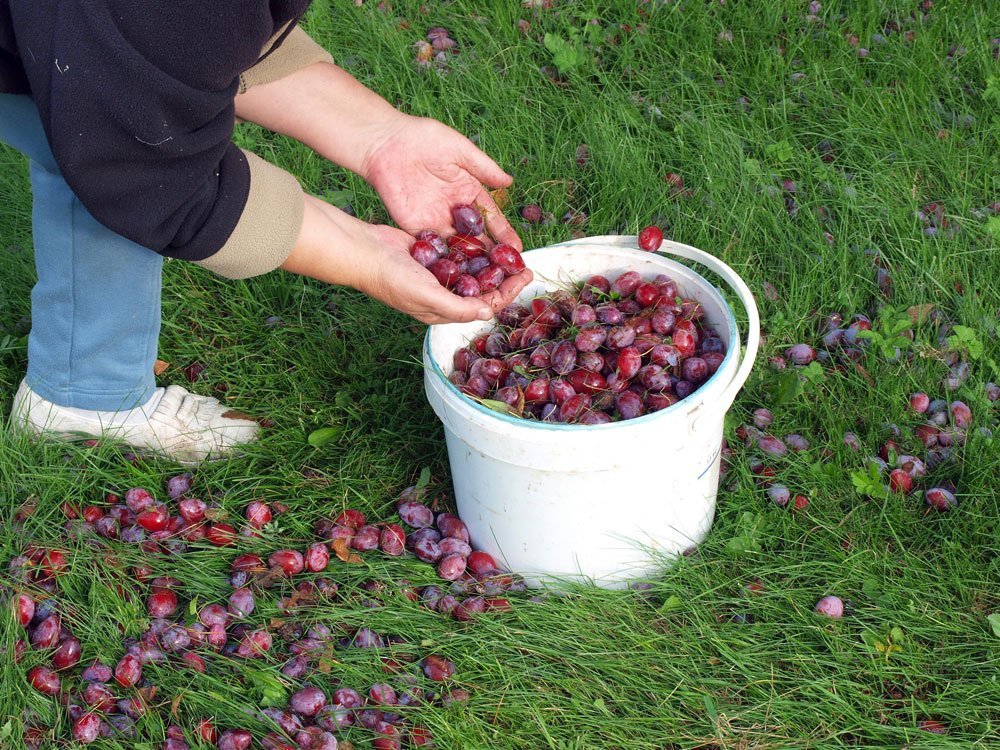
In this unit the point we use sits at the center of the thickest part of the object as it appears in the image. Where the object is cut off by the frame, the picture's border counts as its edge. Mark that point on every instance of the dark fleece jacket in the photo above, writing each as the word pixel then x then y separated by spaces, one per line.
pixel 136 98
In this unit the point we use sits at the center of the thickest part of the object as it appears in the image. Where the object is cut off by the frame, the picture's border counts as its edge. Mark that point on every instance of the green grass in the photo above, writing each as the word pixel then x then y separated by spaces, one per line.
pixel 693 662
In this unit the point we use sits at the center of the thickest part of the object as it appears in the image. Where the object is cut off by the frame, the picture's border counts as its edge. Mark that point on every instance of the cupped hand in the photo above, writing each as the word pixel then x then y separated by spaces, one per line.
pixel 423 168
pixel 400 282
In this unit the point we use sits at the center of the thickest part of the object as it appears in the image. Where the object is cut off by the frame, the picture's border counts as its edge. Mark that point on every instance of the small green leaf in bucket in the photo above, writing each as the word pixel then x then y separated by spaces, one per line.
pixel 493 405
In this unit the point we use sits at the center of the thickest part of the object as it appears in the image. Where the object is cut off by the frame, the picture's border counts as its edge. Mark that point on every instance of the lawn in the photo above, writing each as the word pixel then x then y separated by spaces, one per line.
pixel 804 151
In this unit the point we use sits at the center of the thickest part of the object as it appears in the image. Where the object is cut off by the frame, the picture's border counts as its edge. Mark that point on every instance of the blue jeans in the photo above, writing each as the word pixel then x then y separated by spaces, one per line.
pixel 95 311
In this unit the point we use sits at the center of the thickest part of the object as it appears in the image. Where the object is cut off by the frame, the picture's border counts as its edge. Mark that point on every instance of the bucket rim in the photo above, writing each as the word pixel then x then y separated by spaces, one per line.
pixel 685 404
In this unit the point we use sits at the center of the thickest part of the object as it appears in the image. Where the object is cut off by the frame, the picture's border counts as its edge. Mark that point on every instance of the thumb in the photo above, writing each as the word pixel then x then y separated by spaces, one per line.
pixel 483 168
pixel 455 309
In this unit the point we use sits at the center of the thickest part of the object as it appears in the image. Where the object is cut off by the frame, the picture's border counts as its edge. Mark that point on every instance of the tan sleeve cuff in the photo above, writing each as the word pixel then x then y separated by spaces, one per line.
pixel 296 52
pixel 269 227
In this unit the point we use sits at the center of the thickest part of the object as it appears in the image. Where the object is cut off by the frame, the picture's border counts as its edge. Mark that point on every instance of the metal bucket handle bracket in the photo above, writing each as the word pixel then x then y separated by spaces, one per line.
pixel 737 284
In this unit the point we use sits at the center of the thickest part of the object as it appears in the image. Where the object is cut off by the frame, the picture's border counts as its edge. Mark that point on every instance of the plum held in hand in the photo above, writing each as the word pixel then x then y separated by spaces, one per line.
pixel 467 220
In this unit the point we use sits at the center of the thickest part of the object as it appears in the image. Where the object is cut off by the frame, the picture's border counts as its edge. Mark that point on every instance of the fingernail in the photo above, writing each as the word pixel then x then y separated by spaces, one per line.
pixel 485 313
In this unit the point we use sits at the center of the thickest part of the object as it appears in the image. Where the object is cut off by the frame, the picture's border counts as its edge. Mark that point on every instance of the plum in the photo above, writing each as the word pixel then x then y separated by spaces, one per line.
pixel 392 539
pixel 779 494
pixel 241 604
pixel 650 238
pixel 800 354
pixel 234 739
pixel 87 728
pixel 46 633
pixel 467 220
pixel 940 499
pixel 830 606
pixel 44 680
pixel 258 514
pixel 451 567
pixel 919 402
pixel 437 668
pixel 307 701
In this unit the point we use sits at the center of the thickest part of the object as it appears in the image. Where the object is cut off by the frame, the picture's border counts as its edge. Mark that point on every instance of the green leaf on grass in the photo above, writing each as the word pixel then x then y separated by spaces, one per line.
pixel 672 604
pixel 713 712
pixel 994 621
pixel 992 226
pixel 813 372
pixel 870 638
pixel 322 436
pixel 566 56
pixel 425 478
pixel 272 691
pixel 781 151
pixel 966 338
pixel 789 387
pixel 748 538
pixel 868 482
pixel 992 89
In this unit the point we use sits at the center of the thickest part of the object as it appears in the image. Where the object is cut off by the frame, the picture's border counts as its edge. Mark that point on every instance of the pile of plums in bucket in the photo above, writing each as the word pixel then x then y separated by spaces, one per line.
pixel 465 263
pixel 613 350
pixel 106 700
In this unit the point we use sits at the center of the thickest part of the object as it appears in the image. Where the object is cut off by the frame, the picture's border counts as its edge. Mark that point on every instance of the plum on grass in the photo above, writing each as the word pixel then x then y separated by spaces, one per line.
pixel 451 567
pixel 258 514
pixel 437 668
pixel 221 534
pixel 900 481
pixel 414 514
pixel 67 654
pixel 241 604
pixel 940 499
pixel 317 558
pixel 830 606
pixel 290 561
pixel 392 539
pixel 87 728
pixel 46 632
pixel 800 354
pixel 162 603
pixel 307 701
pixel 24 609
pixel 234 739
pixel 44 680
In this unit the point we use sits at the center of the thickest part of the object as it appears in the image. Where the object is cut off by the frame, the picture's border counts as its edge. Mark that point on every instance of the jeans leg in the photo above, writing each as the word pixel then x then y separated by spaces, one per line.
pixel 95 311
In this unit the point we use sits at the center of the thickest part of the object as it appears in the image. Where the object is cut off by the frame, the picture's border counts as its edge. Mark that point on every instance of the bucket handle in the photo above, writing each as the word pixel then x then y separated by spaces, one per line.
pixel 732 278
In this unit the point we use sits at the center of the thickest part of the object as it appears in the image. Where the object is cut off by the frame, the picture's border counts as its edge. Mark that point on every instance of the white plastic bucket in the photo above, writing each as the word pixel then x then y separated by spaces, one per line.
pixel 602 503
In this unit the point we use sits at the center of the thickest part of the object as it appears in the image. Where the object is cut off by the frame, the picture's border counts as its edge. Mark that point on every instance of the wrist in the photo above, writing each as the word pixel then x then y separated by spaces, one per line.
pixel 377 154
pixel 332 246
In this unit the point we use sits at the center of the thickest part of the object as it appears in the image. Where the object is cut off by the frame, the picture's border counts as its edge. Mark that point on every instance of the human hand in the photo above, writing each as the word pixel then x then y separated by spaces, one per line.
pixel 379 264
pixel 423 168
pixel 400 282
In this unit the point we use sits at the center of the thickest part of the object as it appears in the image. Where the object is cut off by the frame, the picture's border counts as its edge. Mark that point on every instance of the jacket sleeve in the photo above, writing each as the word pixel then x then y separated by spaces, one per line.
pixel 296 51
pixel 140 115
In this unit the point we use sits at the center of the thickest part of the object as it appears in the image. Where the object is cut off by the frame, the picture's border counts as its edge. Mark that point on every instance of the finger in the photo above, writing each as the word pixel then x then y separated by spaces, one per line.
pixel 497 225
pixel 503 295
pixel 448 307
pixel 483 168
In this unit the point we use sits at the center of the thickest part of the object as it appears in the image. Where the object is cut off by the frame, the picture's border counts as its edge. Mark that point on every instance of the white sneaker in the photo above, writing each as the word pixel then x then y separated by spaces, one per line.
pixel 179 425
